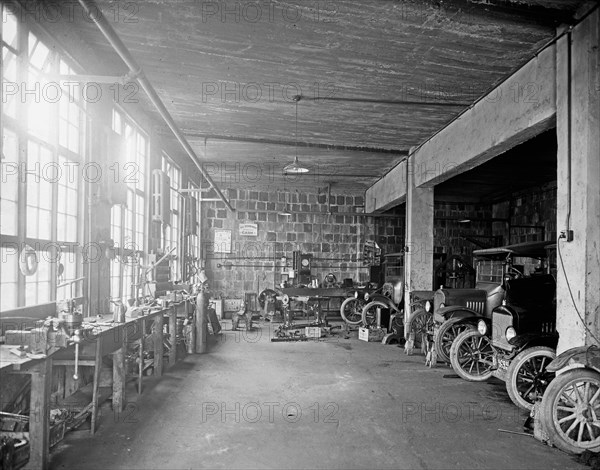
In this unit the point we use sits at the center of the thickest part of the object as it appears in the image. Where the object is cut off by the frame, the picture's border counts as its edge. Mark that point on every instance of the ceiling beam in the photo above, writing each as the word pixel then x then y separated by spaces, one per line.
pixel 461 104
pixel 291 143
pixel 518 10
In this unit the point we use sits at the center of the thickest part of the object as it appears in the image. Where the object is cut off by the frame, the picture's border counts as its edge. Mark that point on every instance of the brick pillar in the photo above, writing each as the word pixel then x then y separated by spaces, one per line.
pixel 419 237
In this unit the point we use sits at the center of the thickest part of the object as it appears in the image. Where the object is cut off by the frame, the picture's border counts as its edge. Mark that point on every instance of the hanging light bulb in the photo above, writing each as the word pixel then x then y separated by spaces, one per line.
pixel 285 212
pixel 295 167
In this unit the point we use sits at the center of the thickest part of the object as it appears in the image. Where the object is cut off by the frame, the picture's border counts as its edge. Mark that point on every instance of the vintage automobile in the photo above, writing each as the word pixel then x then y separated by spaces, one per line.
pixel 517 345
pixel 351 307
pixel 569 413
pixel 420 321
pixel 524 337
pixel 458 310
pixel 389 298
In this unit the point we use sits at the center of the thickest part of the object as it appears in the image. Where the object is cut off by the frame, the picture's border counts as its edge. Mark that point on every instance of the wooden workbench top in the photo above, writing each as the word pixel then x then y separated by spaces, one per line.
pixel 100 326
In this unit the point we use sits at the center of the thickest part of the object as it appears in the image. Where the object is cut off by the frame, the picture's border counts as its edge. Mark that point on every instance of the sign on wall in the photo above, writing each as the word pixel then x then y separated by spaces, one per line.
pixel 222 241
pixel 248 230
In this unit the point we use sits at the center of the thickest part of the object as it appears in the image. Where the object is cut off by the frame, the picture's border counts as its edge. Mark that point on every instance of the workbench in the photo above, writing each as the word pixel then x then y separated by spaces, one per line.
pixel 321 294
pixel 103 339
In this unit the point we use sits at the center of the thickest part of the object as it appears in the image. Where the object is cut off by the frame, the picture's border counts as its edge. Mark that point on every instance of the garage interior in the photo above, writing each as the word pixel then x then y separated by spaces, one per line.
pixel 197 196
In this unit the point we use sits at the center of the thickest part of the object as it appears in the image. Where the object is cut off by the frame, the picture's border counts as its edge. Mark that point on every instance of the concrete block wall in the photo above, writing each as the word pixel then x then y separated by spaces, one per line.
pixel 533 207
pixel 389 232
pixel 448 229
pixel 323 227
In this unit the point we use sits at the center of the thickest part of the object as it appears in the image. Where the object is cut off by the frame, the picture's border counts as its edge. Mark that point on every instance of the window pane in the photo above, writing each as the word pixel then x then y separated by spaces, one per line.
pixel 9 28
pixel 117 125
pixel 40 92
pixel 37 286
pixel 9 77
pixel 9 184
pixel 8 278
pixel 39 192
pixel 70 261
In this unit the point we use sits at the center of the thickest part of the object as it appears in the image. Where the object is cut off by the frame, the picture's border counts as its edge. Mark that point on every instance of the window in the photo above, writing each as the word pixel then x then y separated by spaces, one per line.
pixel 193 241
pixel 40 191
pixel 129 223
pixel 173 232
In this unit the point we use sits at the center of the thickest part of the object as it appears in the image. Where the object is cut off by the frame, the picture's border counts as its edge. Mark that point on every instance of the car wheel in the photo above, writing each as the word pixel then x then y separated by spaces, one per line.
pixel 351 310
pixel 472 356
pixel 369 312
pixel 570 411
pixel 419 324
pixel 445 335
pixel 527 379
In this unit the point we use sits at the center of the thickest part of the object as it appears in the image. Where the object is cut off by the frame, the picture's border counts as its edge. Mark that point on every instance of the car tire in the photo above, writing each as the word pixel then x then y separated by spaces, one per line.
pixel 471 356
pixel 526 375
pixel 369 316
pixel 561 393
pixel 445 336
pixel 417 326
pixel 351 310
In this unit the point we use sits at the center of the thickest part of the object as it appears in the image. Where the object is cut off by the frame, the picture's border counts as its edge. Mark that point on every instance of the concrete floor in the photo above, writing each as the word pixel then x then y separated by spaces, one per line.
pixel 336 403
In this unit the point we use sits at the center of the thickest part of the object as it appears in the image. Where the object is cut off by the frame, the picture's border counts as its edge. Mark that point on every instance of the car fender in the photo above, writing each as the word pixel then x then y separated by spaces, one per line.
pixel 529 340
pixel 571 367
pixel 385 300
pixel 454 311
pixel 582 356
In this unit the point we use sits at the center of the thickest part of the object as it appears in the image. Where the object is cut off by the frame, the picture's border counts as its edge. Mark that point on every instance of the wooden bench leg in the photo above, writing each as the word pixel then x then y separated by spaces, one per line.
pixel 96 385
pixel 39 412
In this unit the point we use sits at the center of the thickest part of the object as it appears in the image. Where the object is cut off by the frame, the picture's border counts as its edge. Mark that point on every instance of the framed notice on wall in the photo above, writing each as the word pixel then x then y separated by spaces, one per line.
pixel 248 230
pixel 222 241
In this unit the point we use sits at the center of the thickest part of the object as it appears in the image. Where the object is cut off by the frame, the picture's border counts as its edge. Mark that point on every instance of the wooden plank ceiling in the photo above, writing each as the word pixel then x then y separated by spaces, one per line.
pixel 375 77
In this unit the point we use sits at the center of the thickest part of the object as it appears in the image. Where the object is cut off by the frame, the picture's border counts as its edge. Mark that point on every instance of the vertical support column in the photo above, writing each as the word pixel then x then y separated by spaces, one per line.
pixel 39 428
pixel 418 260
pixel 578 198
pixel 158 344
pixel 102 150
pixel 173 333
pixel 119 372
pixel 96 385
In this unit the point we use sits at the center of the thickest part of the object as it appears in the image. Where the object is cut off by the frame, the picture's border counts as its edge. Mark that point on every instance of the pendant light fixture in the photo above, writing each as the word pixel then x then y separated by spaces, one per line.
pixel 295 167
pixel 286 211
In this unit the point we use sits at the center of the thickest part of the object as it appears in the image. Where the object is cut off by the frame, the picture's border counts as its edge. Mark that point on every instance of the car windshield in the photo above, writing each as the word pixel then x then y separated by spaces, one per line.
pixel 490 271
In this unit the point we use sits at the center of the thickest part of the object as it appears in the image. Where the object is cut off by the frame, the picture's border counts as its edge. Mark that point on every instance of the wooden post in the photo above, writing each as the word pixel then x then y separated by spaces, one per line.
pixel 60 392
pixel 39 428
pixel 95 385
pixel 141 356
pixel 173 333
pixel 201 327
pixel 158 344
pixel 119 374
